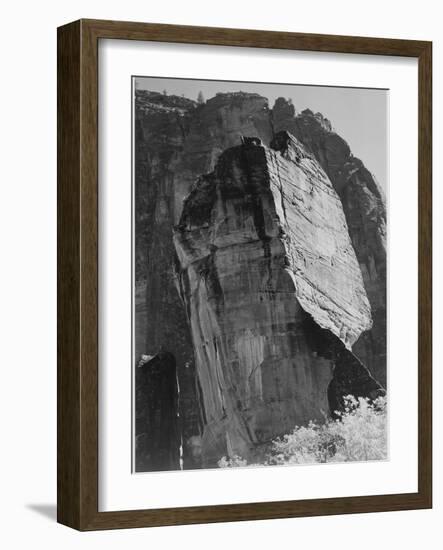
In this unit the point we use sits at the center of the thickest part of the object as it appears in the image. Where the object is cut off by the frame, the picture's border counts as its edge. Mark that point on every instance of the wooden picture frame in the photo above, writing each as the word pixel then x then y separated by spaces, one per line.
pixel 78 274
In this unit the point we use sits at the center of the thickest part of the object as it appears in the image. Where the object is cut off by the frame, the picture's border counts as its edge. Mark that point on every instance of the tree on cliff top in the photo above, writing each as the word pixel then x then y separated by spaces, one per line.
pixel 200 98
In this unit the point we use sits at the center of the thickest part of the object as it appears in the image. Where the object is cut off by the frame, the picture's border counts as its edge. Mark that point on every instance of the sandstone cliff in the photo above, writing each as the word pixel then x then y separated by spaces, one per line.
pixel 158 437
pixel 274 295
pixel 176 141
pixel 215 126
pixel 161 123
pixel 364 207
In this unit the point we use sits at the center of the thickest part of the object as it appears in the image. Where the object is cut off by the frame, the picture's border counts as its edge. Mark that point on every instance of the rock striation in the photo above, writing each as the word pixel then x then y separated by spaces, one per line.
pixel 157 443
pixel 215 126
pixel 274 295
pixel 161 123
pixel 364 206
pixel 177 140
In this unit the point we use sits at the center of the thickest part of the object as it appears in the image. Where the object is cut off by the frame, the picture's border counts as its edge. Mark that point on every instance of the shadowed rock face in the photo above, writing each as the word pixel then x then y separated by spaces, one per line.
pixel 177 141
pixel 364 207
pixel 156 422
pixel 216 126
pixel 161 124
pixel 270 279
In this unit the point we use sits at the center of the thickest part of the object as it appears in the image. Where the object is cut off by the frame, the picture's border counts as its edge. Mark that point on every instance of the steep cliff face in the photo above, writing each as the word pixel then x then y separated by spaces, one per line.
pixel 175 141
pixel 273 292
pixel 158 437
pixel 365 210
pixel 215 126
pixel 161 123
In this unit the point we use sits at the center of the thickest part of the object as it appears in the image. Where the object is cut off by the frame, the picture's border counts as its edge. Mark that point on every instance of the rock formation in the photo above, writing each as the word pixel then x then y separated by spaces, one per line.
pixel 158 436
pixel 161 123
pixel 364 207
pixel 215 126
pixel 178 140
pixel 265 266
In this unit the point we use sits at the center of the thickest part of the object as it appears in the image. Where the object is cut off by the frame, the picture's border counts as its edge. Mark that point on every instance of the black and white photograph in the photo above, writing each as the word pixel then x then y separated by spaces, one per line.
pixel 259 274
pixel 218 262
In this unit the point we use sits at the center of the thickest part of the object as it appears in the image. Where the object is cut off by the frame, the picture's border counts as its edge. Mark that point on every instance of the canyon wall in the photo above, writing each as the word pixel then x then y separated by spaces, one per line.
pixel 161 124
pixel 274 294
pixel 364 206
pixel 158 435
pixel 178 140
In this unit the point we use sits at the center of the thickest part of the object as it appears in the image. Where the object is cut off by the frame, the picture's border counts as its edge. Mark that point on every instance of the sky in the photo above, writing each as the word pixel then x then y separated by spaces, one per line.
pixel 358 115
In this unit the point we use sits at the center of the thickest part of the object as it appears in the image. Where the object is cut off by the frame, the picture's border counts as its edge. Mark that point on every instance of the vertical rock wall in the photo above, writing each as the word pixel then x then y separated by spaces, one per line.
pixel 215 126
pixel 158 438
pixel 161 125
pixel 268 273
pixel 364 207
pixel 176 141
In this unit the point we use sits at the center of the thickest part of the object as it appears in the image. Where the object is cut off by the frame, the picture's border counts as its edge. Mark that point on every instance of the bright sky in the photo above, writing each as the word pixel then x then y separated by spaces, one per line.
pixel 359 115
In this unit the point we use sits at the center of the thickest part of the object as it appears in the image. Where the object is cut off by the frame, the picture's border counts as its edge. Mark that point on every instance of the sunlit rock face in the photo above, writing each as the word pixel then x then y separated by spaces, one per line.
pixel 176 140
pixel 217 125
pixel 364 207
pixel 273 293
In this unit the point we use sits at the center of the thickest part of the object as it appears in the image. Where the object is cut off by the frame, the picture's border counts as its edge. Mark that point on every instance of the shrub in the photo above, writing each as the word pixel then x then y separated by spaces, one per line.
pixel 358 434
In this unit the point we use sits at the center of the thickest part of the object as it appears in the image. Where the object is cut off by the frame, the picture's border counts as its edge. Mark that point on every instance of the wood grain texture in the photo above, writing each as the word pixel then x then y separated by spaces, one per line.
pixel 425 274
pixel 68 275
pixel 78 270
pixel 254 38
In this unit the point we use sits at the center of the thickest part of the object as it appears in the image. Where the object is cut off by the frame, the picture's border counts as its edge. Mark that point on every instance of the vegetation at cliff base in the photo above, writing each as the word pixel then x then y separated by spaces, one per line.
pixel 358 434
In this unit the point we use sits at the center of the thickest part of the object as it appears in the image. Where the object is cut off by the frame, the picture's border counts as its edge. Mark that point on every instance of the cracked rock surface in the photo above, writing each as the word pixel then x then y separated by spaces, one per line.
pixel 268 274
pixel 304 277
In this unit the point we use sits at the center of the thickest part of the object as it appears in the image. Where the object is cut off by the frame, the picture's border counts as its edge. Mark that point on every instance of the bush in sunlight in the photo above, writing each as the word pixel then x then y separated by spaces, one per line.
pixel 358 434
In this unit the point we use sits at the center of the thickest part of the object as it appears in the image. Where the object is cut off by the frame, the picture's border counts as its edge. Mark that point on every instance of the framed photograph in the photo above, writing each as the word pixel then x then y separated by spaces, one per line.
pixel 244 275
